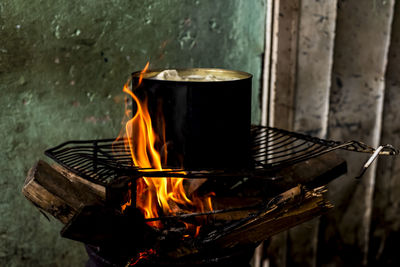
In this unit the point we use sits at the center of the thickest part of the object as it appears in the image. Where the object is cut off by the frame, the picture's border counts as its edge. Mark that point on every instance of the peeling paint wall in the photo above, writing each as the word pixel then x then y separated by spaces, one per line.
pixel 346 88
pixel 62 67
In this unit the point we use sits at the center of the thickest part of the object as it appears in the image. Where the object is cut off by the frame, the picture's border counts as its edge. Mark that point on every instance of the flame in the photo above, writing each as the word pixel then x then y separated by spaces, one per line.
pixel 129 198
pixel 161 195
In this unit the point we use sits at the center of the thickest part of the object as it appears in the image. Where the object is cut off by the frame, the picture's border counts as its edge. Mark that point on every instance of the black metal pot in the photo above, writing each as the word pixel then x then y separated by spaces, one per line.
pixel 207 123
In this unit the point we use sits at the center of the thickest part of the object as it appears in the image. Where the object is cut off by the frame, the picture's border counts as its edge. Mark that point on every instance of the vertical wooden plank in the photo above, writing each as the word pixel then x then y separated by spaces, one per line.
pixel 385 226
pixel 269 14
pixel 361 46
pixel 314 65
pixel 258 256
pixel 283 60
pixel 275 250
pixel 281 82
pixel 302 244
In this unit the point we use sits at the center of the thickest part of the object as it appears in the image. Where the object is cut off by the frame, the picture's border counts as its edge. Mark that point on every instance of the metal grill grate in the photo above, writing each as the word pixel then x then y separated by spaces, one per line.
pixel 102 161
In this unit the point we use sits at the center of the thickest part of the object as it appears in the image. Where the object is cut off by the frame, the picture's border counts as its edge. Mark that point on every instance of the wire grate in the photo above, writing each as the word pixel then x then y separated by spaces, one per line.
pixel 102 161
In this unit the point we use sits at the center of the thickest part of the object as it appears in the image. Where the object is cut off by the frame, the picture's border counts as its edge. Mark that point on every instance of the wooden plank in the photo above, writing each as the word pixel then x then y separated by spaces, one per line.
pixel 385 230
pixel 283 63
pixel 278 93
pixel 360 54
pixel 46 201
pixel 276 250
pixel 291 208
pixel 94 188
pixel 105 227
pixel 258 256
pixel 314 66
pixel 267 64
pixel 54 193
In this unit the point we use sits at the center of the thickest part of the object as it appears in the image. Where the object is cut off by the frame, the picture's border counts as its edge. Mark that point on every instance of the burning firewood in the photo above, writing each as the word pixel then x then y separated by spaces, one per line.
pixel 291 208
pixel 282 212
pixel 62 193
pixel 90 219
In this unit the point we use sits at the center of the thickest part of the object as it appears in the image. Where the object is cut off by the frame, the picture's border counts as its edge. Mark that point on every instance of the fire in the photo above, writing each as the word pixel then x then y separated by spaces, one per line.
pixel 155 196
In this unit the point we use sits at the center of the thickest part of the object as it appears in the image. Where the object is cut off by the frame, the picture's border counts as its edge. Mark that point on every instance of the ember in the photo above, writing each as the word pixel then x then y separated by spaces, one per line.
pixel 141 256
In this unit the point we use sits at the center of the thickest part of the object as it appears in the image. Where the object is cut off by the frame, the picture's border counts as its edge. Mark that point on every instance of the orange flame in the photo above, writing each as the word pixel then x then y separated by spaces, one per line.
pixel 129 199
pixel 155 194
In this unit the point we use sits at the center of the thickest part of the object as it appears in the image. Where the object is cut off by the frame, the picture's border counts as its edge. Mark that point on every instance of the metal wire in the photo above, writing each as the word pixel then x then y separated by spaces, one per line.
pixel 102 161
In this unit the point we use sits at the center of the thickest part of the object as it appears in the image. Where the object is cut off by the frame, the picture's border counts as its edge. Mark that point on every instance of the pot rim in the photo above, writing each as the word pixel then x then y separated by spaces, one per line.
pixel 234 75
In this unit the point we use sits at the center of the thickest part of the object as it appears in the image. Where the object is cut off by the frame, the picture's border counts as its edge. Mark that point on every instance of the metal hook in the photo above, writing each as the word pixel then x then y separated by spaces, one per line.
pixel 369 161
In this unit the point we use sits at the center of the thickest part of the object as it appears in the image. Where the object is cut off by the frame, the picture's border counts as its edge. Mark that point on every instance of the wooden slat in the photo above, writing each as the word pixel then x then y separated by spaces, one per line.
pixel 266 71
pixel 314 65
pixel 361 46
pixel 275 250
pixel 385 225
pixel 290 208
pixel 96 189
pixel 56 194
pixel 283 63
pixel 281 85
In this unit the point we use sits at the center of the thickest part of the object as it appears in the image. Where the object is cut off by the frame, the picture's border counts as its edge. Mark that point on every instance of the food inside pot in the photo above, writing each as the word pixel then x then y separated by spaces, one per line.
pixel 174 75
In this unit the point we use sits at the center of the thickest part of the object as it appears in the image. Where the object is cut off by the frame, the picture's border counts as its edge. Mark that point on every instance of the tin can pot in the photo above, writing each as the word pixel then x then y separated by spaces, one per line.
pixel 207 123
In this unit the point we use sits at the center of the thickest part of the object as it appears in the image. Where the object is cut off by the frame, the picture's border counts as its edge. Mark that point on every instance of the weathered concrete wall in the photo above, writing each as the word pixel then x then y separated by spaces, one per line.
pixel 346 88
pixel 385 222
pixel 62 66
pixel 314 66
pixel 300 101
pixel 355 110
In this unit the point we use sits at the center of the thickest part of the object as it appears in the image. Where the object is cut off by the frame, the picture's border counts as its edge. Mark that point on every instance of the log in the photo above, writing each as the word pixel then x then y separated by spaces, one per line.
pixel 101 225
pixel 96 189
pixel 81 205
pixel 291 208
pixel 221 203
pixel 280 213
pixel 53 192
pixel 312 173
pixel 225 209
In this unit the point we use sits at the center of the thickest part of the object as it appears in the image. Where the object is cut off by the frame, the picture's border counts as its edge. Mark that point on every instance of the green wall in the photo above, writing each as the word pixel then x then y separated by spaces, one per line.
pixel 62 67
